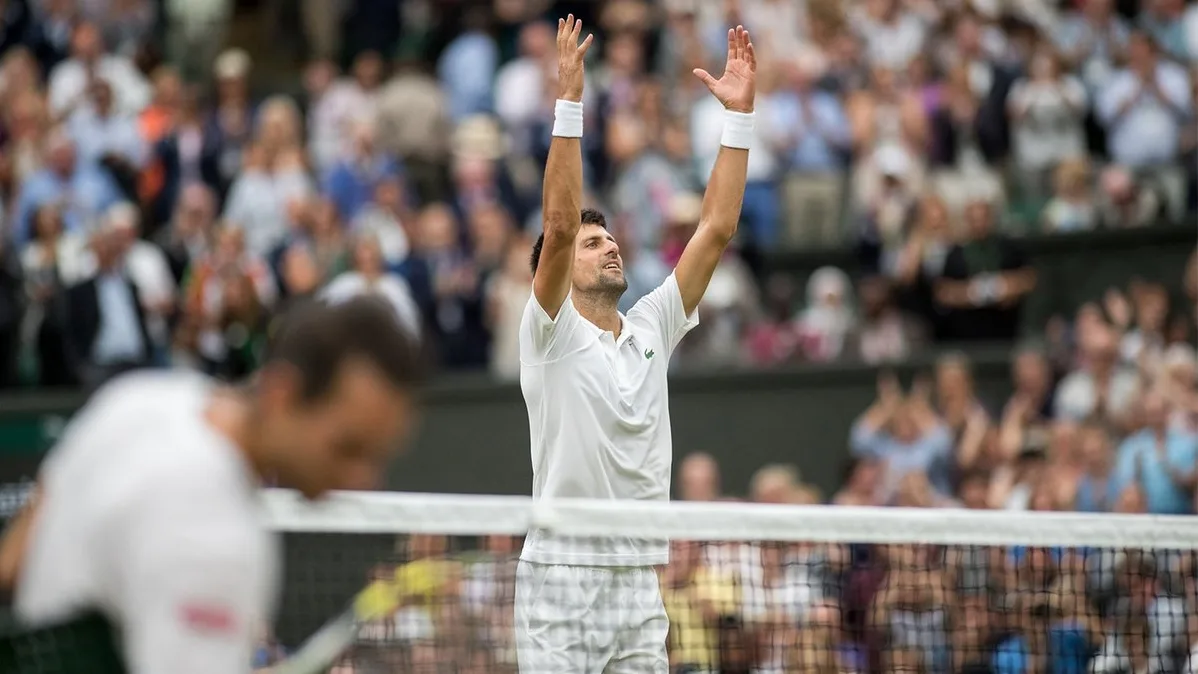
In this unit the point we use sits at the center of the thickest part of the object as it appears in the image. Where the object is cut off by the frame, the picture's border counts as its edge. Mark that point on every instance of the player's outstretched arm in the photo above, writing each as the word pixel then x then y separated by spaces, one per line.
pixel 726 188
pixel 561 202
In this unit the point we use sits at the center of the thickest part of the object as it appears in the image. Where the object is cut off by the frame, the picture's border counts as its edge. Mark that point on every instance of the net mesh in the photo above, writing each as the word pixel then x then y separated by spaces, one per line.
pixel 749 588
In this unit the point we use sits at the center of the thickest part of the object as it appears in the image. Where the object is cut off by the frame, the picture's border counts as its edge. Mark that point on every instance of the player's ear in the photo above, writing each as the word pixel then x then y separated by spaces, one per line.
pixel 279 386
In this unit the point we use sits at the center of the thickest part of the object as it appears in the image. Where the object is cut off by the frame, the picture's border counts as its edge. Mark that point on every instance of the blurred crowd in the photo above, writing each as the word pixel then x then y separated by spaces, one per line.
pixel 765 607
pixel 158 209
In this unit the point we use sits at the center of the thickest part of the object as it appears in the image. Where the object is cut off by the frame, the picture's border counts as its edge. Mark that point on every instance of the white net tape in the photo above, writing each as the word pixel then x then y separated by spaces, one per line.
pixel 393 512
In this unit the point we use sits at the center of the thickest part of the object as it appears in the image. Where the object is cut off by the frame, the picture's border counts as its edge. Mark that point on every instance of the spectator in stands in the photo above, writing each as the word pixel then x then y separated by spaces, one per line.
pixel 320 230
pixel 1144 107
pixel 91 189
pixel 919 263
pixel 101 319
pixel 699 478
pixel 507 294
pixel 518 83
pixel 1047 109
pixel 1162 461
pixel 828 321
pixel 774 483
pixel 106 136
pixel 986 279
pixel 188 235
pixel 70 79
pixel 369 276
pixel 148 269
pixel 384 218
pixel 1073 206
pixel 1125 201
pixel 448 289
pixel 231 124
pixel 352 181
pixel 262 196
pixel 467 67
pixel 957 403
pixel 884 334
pixel 697 597
pixel 1096 492
pixel 188 152
pixel 906 435
pixel 810 132
pixel 775 338
pixel 909 615
pixel 1100 386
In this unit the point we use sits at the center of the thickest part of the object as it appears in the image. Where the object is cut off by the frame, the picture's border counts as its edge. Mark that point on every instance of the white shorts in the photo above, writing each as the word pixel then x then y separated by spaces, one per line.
pixel 589 620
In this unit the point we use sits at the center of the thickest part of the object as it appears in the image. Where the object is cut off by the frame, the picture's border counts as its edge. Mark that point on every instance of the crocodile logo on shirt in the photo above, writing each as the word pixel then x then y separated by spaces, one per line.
pixel 648 354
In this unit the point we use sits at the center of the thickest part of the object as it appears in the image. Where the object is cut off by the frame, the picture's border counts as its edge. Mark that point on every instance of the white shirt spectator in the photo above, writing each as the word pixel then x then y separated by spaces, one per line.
pixel 1148 133
pixel 518 88
pixel 1049 121
pixel 116 134
pixel 118 338
pixel 330 118
pixel 390 287
pixel 1077 394
pixel 68 84
pixel 258 204
pixel 891 45
pixel 1102 47
pixel 387 229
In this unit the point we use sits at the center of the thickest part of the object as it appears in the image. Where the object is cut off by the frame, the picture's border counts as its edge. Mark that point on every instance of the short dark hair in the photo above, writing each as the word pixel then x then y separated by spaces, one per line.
pixel 589 216
pixel 317 338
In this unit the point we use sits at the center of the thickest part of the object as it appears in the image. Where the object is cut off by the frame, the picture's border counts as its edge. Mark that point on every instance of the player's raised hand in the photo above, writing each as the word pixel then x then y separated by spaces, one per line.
pixel 570 56
pixel 736 88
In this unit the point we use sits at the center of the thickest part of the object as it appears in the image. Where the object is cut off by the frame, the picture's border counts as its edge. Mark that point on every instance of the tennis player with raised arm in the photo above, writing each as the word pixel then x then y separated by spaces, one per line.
pixel 594 382
pixel 146 549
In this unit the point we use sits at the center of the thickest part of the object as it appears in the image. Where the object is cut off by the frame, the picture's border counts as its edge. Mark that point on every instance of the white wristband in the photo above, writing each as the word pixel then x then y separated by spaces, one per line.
pixel 567 119
pixel 738 130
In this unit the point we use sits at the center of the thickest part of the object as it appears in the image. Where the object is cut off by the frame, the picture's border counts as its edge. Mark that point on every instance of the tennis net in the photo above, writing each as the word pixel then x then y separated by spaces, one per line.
pixel 752 588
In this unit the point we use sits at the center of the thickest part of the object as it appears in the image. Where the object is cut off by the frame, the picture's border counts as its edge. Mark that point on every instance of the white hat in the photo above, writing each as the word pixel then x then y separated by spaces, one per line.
pixel 232 64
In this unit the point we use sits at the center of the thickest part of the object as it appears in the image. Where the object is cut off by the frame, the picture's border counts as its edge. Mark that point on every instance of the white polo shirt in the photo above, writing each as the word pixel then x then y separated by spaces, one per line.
pixel 151 518
pixel 599 417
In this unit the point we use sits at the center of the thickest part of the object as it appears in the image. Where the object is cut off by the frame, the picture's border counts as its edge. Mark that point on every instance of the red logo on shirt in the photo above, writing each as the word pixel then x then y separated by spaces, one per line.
pixel 209 618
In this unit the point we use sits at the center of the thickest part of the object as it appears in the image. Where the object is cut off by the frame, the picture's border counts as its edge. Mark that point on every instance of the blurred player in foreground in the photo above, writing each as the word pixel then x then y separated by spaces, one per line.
pixel 595 385
pixel 146 523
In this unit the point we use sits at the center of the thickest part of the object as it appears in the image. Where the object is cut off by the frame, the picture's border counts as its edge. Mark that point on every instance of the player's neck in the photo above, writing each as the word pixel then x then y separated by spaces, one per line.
pixel 230 413
pixel 599 310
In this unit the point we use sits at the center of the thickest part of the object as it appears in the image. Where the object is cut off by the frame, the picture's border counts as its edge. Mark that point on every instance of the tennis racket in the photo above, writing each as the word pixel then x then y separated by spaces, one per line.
pixel 321 651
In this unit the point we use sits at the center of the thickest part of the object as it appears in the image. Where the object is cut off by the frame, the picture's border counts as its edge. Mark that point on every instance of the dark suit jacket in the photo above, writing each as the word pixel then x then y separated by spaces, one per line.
pixel 167 152
pixel 77 316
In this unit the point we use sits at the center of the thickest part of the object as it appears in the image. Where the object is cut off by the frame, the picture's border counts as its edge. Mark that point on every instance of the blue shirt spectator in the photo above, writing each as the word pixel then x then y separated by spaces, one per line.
pixel 83 189
pixel 99 129
pixel 1161 460
pixel 467 73
pixel 907 437
pixel 352 181
pixel 1145 107
pixel 809 126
